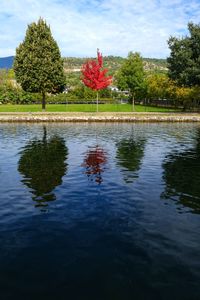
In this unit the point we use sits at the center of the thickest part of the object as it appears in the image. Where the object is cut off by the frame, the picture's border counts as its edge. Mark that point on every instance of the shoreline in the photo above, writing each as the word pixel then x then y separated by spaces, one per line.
pixel 97 117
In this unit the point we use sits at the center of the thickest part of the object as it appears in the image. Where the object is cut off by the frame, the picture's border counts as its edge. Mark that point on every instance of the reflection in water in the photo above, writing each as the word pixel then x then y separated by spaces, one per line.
pixel 94 163
pixel 182 177
pixel 42 164
pixel 129 155
pixel 114 240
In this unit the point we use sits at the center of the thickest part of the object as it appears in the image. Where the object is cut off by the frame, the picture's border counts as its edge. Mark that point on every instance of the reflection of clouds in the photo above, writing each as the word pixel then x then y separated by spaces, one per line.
pixel 94 163
pixel 42 164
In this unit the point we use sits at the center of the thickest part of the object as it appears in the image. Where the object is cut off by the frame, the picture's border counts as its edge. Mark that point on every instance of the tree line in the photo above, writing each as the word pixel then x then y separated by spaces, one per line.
pixel 181 85
pixel 39 71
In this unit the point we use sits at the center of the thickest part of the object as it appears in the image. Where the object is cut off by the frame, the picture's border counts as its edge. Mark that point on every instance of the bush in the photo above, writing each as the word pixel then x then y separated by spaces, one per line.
pixel 13 95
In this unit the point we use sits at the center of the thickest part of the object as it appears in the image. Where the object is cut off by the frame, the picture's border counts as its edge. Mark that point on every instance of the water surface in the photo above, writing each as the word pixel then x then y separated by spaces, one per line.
pixel 99 211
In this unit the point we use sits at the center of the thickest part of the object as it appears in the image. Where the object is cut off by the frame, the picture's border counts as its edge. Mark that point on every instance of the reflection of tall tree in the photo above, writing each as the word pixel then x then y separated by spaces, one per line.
pixel 182 177
pixel 43 165
pixel 129 155
pixel 94 163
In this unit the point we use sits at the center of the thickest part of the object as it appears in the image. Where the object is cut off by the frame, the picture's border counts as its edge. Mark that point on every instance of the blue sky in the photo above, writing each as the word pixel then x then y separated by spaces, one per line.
pixel 114 26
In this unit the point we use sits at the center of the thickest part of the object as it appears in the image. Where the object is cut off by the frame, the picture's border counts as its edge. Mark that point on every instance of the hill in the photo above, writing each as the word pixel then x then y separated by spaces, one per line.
pixel 113 63
pixel 6 62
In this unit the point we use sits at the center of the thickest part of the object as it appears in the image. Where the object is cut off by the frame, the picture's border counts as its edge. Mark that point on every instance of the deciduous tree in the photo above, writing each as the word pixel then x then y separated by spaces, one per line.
pixel 131 75
pixel 94 75
pixel 184 59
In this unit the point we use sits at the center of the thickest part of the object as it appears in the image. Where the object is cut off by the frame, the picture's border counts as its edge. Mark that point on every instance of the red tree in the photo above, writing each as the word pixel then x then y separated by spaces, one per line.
pixel 94 76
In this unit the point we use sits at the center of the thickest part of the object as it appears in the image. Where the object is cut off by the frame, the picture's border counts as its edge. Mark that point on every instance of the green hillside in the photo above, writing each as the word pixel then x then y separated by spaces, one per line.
pixel 113 63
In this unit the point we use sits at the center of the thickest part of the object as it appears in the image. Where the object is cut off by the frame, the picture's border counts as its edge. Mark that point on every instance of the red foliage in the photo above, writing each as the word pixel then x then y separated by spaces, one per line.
pixel 94 163
pixel 94 76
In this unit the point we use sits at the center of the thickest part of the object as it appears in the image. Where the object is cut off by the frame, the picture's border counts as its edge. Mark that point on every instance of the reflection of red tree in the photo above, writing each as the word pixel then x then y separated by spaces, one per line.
pixel 94 163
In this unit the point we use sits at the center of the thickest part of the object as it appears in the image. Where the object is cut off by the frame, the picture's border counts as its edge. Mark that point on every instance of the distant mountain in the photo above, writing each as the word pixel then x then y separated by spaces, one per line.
pixel 6 62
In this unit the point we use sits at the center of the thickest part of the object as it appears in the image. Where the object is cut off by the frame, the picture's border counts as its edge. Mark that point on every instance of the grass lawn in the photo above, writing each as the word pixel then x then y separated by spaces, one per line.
pixel 81 108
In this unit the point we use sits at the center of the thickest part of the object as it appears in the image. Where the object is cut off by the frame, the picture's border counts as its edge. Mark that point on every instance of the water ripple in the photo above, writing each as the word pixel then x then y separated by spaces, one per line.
pixel 99 211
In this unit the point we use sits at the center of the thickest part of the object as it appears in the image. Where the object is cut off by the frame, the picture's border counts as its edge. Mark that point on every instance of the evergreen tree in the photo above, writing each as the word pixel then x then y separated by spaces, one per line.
pixel 38 64
pixel 131 75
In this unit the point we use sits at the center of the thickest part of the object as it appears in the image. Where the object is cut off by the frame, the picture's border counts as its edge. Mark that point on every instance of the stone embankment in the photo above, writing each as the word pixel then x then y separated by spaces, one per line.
pixel 98 117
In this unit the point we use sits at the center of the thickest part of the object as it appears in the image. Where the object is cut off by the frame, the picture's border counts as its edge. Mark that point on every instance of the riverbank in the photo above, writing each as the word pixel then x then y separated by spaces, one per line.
pixel 98 117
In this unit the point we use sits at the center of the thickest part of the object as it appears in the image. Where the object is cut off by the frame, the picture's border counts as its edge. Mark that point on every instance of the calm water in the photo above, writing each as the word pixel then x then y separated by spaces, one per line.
pixel 100 211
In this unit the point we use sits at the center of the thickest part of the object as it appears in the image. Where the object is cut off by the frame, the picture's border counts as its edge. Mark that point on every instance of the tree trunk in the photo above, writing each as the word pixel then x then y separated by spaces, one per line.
pixel 97 101
pixel 43 101
pixel 133 104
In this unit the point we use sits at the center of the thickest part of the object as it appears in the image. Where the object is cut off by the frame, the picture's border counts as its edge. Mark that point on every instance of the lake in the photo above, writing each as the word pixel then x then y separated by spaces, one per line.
pixel 100 211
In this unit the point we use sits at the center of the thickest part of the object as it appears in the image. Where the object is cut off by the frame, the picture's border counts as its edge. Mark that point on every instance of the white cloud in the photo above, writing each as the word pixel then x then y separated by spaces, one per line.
pixel 114 26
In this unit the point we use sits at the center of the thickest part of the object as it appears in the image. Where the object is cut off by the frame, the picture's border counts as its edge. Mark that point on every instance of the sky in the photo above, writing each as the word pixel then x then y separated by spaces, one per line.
pixel 116 27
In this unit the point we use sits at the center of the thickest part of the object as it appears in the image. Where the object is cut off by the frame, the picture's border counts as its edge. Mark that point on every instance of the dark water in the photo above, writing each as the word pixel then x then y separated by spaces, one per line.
pixel 100 211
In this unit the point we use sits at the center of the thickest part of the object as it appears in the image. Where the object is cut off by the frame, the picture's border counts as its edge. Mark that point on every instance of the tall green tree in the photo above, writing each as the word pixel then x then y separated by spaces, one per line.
pixel 131 75
pixel 184 59
pixel 38 64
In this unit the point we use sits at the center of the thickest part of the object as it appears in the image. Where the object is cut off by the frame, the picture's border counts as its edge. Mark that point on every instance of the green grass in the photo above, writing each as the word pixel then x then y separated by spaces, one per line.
pixel 81 108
